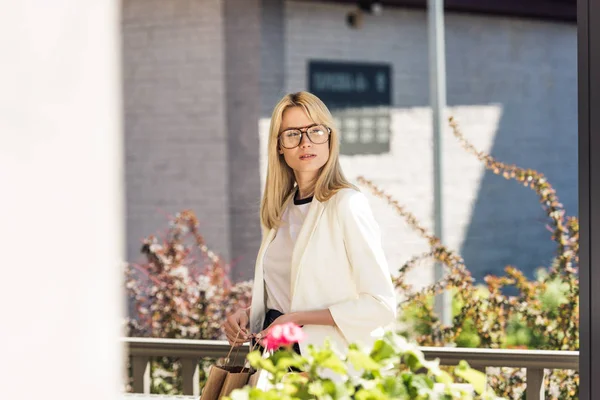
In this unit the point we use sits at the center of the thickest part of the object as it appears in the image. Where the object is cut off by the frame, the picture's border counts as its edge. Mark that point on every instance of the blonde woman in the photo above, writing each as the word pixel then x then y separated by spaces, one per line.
pixel 321 263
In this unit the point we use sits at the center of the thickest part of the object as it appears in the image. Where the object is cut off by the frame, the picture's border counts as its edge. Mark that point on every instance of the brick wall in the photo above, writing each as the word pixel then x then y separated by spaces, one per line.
pixel 175 121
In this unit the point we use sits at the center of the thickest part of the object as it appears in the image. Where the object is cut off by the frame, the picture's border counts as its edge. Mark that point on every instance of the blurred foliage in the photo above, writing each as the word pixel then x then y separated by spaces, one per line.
pixel 181 291
pixel 543 314
pixel 393 368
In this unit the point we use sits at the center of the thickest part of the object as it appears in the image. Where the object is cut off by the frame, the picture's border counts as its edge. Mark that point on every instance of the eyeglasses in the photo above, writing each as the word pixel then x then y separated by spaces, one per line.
pixel 317 134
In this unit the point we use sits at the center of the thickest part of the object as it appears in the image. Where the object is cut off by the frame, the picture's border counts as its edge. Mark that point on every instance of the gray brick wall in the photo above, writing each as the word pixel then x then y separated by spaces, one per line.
pixel 511 84
pixel 175 122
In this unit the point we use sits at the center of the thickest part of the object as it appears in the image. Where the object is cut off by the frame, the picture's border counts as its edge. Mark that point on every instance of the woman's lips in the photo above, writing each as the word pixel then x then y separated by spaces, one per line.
pixel 307 156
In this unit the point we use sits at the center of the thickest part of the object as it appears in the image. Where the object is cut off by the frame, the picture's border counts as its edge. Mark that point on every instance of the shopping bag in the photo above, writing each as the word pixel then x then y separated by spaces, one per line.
pixel 214 382
pixel 223 379
pixel 237 378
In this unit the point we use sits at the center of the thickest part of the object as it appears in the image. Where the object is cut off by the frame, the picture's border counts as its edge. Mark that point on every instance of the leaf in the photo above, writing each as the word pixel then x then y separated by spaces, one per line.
pixel 474 377
pixel 394 387
pixel 382 350
pixel 254 357
pixel 370 394
pixel 283 364
pixel 417 385
pixel 360 361
pixel 412 361
pixel 444 378
pixel 316 388
pixel 334 364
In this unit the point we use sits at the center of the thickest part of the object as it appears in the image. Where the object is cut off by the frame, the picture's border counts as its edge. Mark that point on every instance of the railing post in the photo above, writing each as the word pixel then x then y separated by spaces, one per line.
pixel 535 384
pixel 141 374
pixel 191 376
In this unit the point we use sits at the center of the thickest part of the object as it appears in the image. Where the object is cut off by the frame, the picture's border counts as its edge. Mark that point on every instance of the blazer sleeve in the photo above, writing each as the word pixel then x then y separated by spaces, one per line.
pixel 375 305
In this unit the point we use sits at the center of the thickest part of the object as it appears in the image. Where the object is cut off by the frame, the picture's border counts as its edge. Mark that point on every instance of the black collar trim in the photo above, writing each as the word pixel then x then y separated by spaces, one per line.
pixel 298 201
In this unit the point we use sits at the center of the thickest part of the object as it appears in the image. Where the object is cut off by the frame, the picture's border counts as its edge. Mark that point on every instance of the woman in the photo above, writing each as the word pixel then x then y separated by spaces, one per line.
pixel 321 264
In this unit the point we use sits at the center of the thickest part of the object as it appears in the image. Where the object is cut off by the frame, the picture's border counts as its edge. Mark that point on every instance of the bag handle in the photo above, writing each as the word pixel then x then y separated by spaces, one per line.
pixel 231 349
pixel 237 351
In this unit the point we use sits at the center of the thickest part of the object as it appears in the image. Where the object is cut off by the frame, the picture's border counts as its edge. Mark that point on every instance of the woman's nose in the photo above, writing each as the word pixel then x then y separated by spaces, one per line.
pixel 305 141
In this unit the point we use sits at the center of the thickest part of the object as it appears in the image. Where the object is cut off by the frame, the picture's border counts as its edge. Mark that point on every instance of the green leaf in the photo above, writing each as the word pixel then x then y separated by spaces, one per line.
pixel 334 364
pixel 316 388
pixel 382 351
pixel 266 364
pixel 254 358
pixel 394 387
pixel 444 377
pixel 417 385
pixel 474 377
pixel 370 394
pixel 412 361
pixel 360 361
pixel 283 364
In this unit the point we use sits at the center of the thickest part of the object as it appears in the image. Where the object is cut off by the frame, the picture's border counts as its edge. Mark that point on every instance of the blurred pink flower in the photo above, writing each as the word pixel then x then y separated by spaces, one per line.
pixel 284 335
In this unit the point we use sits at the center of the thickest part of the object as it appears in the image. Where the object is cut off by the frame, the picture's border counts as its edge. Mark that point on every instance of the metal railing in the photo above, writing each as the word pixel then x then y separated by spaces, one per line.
pixel 191 351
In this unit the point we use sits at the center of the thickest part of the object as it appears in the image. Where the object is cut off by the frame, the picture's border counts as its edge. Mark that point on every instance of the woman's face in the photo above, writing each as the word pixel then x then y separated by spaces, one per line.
pixel 307 158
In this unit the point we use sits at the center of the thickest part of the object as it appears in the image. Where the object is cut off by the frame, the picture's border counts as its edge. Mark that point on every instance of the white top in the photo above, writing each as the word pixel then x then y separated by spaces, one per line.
pixel 278 258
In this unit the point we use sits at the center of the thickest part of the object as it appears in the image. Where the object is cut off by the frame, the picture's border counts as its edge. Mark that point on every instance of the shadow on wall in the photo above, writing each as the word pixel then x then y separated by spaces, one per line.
pixel 537 130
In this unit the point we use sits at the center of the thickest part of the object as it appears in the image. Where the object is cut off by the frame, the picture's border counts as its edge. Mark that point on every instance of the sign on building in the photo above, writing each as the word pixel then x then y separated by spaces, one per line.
pixel 359 95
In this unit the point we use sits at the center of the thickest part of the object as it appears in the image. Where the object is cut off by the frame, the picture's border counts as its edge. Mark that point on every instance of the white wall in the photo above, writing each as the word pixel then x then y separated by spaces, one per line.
pixel 61 207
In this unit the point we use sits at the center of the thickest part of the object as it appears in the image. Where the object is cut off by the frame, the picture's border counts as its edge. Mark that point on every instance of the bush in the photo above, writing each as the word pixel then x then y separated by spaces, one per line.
pixel 181 291
pixel 544 314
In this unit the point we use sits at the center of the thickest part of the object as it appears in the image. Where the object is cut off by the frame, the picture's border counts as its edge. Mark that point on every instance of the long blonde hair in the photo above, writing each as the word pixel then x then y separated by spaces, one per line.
pixel 280 180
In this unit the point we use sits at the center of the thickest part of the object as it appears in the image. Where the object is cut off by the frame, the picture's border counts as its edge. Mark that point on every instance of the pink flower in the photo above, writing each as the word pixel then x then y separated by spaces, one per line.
pixel 283 335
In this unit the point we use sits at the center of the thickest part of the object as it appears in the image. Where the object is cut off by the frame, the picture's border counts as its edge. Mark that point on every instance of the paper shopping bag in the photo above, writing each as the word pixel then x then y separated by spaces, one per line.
pixel 222 380
pixel 214 383
pixel 237 378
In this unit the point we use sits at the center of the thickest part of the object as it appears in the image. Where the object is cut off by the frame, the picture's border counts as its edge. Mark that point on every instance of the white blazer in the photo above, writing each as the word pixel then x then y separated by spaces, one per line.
pixel 337 263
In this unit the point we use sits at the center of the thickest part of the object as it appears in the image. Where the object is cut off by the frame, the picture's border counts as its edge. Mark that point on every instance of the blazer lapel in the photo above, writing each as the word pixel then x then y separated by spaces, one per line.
pixel 315 211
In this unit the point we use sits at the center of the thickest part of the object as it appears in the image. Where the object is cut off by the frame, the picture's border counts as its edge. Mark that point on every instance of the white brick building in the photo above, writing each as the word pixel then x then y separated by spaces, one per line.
pixel 201 77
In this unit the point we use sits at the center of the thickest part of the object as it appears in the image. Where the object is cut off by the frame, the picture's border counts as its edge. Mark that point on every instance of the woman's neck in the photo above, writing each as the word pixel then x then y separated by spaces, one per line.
pixel 306 185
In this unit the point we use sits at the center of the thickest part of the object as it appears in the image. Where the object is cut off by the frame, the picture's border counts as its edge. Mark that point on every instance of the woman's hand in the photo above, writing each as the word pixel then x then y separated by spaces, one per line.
pixel 236 327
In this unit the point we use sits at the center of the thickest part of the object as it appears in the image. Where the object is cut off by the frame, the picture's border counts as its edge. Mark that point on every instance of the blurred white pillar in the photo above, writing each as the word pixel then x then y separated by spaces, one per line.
pixel 61 170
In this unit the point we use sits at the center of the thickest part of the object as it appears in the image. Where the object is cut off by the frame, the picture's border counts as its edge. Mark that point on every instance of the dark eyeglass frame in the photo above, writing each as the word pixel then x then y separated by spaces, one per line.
pixel 303 131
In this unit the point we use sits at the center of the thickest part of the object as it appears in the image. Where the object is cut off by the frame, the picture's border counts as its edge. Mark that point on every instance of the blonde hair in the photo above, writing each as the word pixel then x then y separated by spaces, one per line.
pixel 280 182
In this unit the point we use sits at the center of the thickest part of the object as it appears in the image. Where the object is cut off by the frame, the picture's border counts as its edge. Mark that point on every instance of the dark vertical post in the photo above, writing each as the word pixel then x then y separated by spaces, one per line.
pixel 588 15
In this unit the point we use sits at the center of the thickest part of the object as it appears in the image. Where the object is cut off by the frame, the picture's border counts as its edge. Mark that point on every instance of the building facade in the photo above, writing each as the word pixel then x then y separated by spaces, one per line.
pixel 201 78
